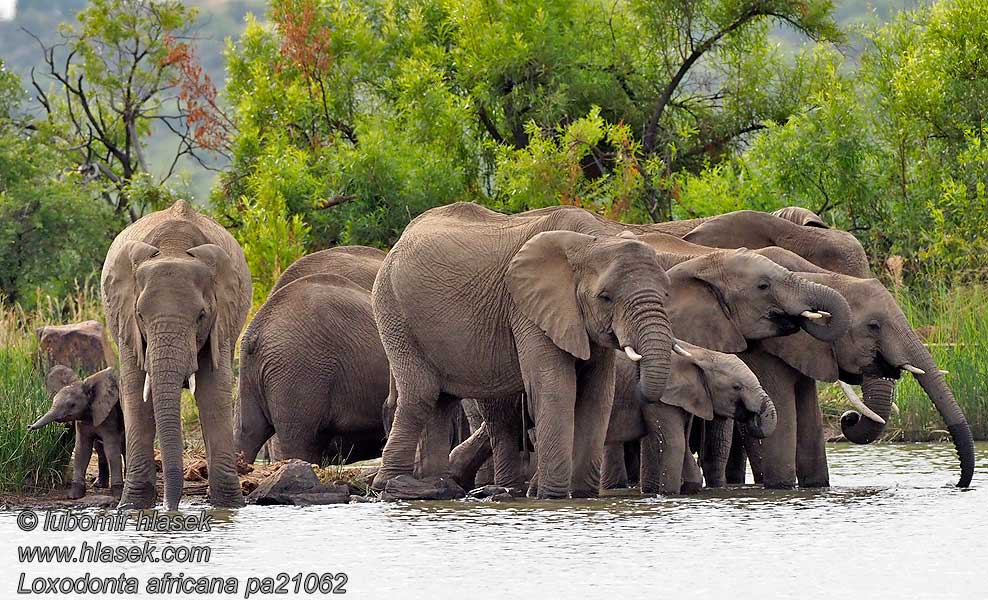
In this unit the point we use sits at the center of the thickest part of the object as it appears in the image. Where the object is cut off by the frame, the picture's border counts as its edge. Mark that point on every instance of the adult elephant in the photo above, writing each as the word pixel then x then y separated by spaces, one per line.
pixel 879 345
pixel 312 370
pixel 473 303
pixel 176 290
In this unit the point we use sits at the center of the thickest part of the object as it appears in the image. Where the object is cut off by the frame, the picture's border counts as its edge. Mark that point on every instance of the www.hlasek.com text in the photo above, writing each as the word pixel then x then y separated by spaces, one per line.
pixel 178 583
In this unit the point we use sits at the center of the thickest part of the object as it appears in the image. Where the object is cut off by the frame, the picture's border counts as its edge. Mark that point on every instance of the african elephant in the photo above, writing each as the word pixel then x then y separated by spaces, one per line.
pixel 879 345
pixel 723 300
pixel 312 370
pixel 473 303
pixel 176 290
pixel 93 405
pixel 702 383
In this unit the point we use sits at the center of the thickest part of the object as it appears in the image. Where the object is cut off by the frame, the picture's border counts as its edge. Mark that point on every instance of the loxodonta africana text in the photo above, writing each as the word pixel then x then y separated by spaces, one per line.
pixel 473 303
pixel 93 405
pixel 702 383
pixel 176 290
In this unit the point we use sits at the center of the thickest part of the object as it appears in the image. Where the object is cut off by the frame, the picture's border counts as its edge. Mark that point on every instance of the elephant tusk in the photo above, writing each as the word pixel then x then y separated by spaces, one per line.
pixel 681 351
pixel 856 402
pixel 147 387
pixel 942 372
pixel 913 370
pixel 632 354
pixel 809 314
pixel 895 408
pixel 192 385
pixel 825 314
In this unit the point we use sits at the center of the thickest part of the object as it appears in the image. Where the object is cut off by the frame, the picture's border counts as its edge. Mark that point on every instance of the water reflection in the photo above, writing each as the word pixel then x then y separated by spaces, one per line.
pixel 892 526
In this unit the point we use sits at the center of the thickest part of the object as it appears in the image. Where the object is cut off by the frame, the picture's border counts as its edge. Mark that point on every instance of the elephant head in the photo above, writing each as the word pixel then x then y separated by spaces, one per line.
pixel 91 400
pixel 168 306
pixel 877 347
pixel 709 384
pixel 611 292
pixel 801 216
pixel 723 299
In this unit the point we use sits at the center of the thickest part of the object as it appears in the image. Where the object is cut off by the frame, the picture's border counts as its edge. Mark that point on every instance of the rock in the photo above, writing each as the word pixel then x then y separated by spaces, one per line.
pixel 82 346
pixel 296 483
pixel 406 487
pixel 91 501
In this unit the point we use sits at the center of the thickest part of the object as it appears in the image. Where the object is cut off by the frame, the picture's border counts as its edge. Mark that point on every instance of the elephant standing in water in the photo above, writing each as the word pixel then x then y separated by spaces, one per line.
pixel 312 368
pixel 176 290
pixel 473 303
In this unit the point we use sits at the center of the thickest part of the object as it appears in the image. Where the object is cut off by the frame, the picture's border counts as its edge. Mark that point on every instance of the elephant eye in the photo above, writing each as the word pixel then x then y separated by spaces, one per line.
pixel 202 315
pixel 737 387
pixel 763 285
pixel 604 296
pixel 874 326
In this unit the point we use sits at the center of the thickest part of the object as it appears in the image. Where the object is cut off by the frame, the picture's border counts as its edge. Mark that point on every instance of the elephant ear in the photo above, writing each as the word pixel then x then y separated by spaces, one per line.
pixel 688 389
pixel 698 310
pixel 226 292
pixel 542 284
pixel 103 392
pixel 811 357
pixel 120 295
pixel 58 377
pixel 801 216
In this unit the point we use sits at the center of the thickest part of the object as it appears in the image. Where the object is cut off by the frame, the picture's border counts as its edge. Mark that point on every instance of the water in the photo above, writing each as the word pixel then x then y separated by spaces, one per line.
pixel 891 527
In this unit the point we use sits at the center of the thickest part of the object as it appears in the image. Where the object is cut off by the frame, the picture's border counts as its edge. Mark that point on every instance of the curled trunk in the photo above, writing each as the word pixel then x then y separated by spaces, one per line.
pixel 822 298
pixel 654 342
pixel 763 423
pixel 878 393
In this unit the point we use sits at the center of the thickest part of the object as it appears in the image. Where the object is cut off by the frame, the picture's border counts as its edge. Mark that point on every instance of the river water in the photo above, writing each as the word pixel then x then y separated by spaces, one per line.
pixel 890 527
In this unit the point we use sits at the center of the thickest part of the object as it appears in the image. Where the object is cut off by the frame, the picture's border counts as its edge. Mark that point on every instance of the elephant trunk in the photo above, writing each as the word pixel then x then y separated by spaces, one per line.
pixel 49 417
pixel 653 341
pixel 935 386
pixel 762 424
pixel 167 372
pixel 815 297
pixel 878 393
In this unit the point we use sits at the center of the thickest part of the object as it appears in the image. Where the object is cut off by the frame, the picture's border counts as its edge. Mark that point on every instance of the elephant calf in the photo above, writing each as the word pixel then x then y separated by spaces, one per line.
pixel 313 370
pixel 702 383
pixel 94 406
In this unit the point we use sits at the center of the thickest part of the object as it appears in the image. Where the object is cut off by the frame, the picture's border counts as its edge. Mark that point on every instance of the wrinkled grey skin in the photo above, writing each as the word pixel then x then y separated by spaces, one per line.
pixel 176 290
pixel 707 384
pixel 465 285
pixel 93 406
pixel 312 368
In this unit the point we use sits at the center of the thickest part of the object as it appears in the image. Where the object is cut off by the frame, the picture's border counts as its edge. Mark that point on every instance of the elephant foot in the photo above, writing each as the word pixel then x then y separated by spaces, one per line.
pixel 815 483
pixel 117 491
pixel 732 481
pixel 585 493
pixel 691 487
pixel 76 490
pixel 384 476
pixel 546 493
pixel 779 485
pixel 100 483
pixel 227 501
pixel 138 496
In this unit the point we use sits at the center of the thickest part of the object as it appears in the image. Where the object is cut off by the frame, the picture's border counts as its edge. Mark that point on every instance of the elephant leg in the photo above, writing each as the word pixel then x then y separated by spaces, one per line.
pixel 467 458
pixel 214 398
pixel 716 450
pixel 774 457
pixel 613 471
pixel 504 420
pixel 736 460
pixel 663 450
pixel 632 461
pixel 303 445
pixel 417 397
pixel 692 476
pixel 811 447
pixel 102 468
pixel 139 485
pixel 595 395
pixel 434 443
pixel 112 450
pixel 82 453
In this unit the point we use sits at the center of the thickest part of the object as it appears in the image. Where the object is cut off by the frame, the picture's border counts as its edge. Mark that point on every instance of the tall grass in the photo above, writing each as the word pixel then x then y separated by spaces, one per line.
pixel 954 323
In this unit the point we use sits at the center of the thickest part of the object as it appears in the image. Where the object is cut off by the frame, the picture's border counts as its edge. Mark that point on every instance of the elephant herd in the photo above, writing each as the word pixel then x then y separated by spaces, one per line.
pixel 614 351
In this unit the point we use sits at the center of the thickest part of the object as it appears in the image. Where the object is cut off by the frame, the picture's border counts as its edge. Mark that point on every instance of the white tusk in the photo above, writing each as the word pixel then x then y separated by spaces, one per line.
pixel 192 384
pixel 824 313
pixel 913 370
pixel 858 404
pixel 942 372
pixel 681 351
pixel 895 408
pixel 632 354
pixel 147 386
pixel 809 314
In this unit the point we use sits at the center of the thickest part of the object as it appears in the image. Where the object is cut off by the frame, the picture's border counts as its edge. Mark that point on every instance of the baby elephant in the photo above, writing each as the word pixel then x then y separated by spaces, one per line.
pixel 94 405
pixel 702 383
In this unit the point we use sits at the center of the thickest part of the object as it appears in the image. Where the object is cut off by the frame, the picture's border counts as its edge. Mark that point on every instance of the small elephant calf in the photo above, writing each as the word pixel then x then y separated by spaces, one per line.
pixel 94 405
